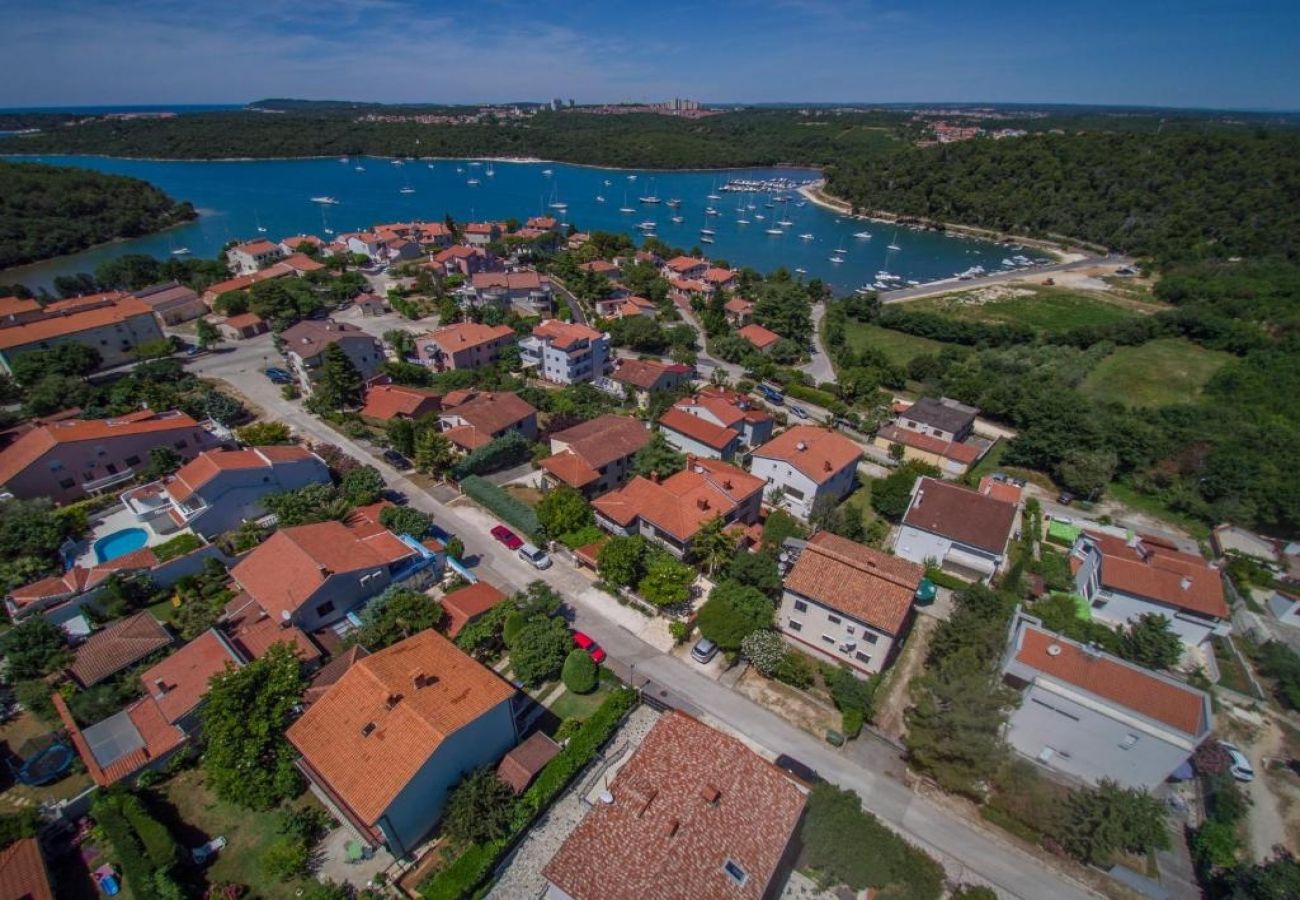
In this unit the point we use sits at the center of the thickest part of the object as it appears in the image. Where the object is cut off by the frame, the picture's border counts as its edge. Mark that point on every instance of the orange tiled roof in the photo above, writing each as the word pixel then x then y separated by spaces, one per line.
pixel 682 503
pixel 817 452
pixel 371 732
pixel 961 514
pixel 760 337
pixel 698 429
pixel 466 603
pixel 689 799
pixel 872 587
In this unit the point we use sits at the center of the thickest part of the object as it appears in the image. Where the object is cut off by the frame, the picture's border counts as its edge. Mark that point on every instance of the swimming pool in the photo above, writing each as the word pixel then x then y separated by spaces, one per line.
pixel 120 543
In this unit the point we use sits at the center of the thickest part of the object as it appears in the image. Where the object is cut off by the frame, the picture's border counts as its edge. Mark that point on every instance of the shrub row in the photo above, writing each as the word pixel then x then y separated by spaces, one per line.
pixel 466 872
pixel 498 502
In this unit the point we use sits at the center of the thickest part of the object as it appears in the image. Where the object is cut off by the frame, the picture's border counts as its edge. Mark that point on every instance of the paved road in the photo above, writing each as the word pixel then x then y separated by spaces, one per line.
pixel 954 284
pixel 967 852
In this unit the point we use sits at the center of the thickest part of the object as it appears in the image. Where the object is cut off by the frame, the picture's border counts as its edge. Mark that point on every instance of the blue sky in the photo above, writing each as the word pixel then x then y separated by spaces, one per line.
pixel 1242 54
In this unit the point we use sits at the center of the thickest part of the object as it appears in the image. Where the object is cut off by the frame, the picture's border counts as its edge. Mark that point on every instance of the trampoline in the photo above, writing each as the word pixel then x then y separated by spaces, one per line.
pixel 44 760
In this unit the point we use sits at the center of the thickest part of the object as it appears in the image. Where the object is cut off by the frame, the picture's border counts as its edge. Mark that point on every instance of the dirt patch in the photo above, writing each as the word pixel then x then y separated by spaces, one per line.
pixel 893 703
pixel 796 707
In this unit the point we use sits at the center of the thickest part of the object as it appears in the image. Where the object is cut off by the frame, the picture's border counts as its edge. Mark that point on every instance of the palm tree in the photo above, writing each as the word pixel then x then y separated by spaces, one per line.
pixel 712 545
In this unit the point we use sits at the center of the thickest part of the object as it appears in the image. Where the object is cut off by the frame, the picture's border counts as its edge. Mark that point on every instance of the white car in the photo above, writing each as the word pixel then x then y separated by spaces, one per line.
pixel 1241 768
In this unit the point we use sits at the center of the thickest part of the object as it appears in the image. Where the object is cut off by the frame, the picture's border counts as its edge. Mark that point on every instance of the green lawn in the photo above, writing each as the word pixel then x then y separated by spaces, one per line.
pixel 897 346
pixel 1158 373
pixel 1045 309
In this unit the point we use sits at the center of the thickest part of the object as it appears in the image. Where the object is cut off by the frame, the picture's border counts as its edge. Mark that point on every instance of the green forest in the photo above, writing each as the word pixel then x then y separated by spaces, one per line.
pixel 48 211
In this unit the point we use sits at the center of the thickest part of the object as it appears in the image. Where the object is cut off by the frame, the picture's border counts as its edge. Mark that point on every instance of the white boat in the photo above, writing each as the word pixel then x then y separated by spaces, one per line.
pixel 707 231
pixel 181 251
pixel 806 237
pixel 330 201
pixel 862 235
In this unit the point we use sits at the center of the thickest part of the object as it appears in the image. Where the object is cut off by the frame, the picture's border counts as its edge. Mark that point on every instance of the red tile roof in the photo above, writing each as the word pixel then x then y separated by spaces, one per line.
pixel 689 800
pixel 22 872
pixel 819 453
pixel 872 587
pixel 1133 687
pixel 1161 573
pixel 465 604
pixel 682 503
pixel 369 735
pixel 178 683
pixel 121 644
pixel 388 401
pixel 760 337
pixel 961 514
pixel 698 429
pixel 962 453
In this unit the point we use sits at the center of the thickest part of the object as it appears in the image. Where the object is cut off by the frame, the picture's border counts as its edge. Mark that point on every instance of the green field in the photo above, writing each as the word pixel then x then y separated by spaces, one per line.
pixel 1046 309
pixel 1158 373
pixel 897 346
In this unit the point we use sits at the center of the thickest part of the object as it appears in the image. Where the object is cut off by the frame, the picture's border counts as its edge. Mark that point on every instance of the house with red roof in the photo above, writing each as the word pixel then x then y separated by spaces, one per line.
pixel 1124 579
pixel 250 256
pixel 962 531
pixel 219 489
pixel 566 352
pixel 386 742
pixel 385 402
pixel 804 465
pixel 692 813
pixel 847 603
pixel 1085 715
pixel 464 345
pixel 671 511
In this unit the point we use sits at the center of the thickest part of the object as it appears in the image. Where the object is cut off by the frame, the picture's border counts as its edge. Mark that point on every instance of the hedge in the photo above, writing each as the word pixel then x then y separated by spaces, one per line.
pixel 177 546
pixel 497 501
pixel 466 872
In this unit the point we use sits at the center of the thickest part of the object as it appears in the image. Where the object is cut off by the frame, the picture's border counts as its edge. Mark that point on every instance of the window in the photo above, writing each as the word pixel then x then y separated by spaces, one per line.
pixel 800 606
pixel 325 608
pixel 828 639
pixel 66 483
pixel 795 625
pixel 864 658
pixel 834 620
pixel 132 460
pixel 735 872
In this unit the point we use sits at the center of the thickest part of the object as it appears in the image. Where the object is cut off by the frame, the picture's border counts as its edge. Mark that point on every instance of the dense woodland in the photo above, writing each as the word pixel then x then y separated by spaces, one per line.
pixel 48 211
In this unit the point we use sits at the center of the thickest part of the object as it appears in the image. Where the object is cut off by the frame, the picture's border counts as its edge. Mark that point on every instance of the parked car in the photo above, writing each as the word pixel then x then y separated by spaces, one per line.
pixel 535 556
pixel 804 772
pixel 704 650
pixel 1241 769
pixel 798 411
pixel 397 460
pixel 279 376
pixel 507 537
pixel 594 650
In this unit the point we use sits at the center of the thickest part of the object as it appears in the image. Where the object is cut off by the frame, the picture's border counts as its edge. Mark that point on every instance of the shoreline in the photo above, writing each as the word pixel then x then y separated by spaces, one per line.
pixel 1063 252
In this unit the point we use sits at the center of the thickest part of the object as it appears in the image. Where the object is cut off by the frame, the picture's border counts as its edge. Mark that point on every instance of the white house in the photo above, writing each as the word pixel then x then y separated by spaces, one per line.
pixel 805 464
pixel 961 531
pixel 847 603
pixel 1086 715
pixel 1126 579
pixel 566 353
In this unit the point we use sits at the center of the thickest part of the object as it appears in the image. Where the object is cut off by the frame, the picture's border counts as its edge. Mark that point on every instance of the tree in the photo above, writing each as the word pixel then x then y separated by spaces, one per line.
pixel 537 653
pixel 620 560
pixel 480 808
pixel 362 486
pixel 396 614
pixel 712 545
pixel 33 648
pixel 1107 819
pixel 757 570
pixel 658 458
pixel 163 460
pixel 206 333
pixel 732 613
pixel 1152 642
pixel 564 510
pixel 247 760
pixel 263 434
pixel 433 452
pixel 340 385
pixel 405 520
pixel 667 581
pixel 579 674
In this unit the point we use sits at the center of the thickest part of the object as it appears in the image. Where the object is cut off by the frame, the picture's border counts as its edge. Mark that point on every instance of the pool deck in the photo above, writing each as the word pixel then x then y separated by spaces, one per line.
pixel 117 520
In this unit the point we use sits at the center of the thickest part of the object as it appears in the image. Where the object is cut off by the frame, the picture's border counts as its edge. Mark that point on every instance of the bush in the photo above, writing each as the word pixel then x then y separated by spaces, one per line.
pixel 177 546
pixel 579 674
pixel 501 504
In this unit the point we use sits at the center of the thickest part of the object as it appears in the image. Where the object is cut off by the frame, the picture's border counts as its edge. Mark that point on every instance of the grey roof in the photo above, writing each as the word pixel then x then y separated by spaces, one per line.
pixel 946 414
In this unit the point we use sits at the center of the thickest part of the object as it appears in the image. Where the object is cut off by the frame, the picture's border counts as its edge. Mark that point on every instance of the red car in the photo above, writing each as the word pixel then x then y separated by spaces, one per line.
pixel 507 537
pixel 594 650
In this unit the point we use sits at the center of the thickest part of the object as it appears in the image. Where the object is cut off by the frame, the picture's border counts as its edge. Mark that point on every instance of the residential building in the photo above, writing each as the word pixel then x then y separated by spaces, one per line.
pixel 465 345
pixel 172 302
pixel 847 603
pixel 70 458
pixel 385 402
pixel 730 409
pixel 959 530
pixel 305 343
pixel 685 267
pixel 23 874
pixel 529 291
pixel 219 489
pixel 595 456
pixel 465 604
pixel 113 324
pixel 387 741
pixel 645 376
pixel 250 256
pixel 693 813
pixel 313 575
pixel 805 465
pixel 763 339
pixel 698 436
pixel 1085 715
pixel 473 419
pixel 242 326
pixel 566 353
pixel 672 511
pixel 1125 579
pixel 121 644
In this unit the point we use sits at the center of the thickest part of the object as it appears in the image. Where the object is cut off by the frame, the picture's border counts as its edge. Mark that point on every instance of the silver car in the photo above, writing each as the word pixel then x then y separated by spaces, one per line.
pixel 535 556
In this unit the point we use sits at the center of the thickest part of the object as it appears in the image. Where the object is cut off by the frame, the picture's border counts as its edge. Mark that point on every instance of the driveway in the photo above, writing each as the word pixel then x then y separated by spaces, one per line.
pixel 968 852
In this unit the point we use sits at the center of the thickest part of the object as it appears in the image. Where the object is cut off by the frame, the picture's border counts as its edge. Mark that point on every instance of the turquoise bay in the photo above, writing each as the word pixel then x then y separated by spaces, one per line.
pixel 235 198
